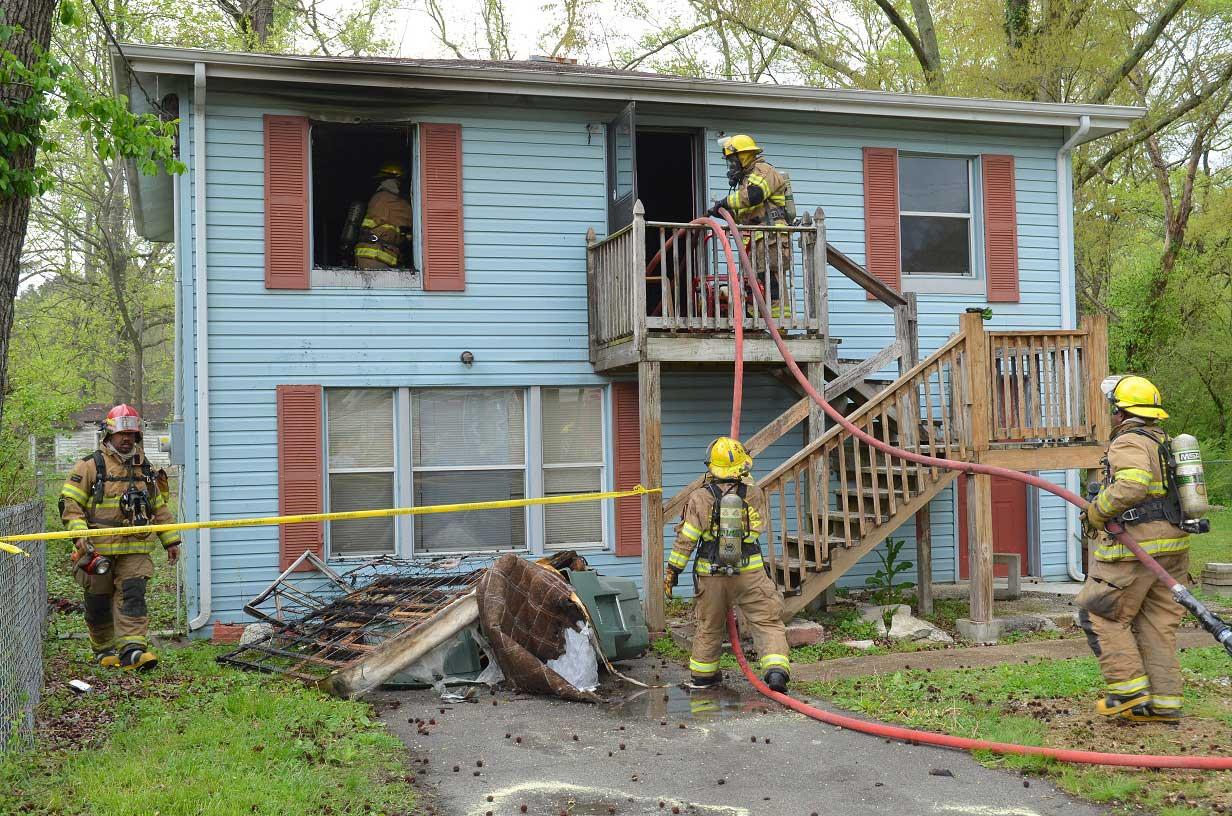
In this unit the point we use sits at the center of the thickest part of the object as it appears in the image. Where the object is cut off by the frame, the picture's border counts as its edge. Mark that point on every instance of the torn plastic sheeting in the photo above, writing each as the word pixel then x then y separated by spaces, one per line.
pixel 579 666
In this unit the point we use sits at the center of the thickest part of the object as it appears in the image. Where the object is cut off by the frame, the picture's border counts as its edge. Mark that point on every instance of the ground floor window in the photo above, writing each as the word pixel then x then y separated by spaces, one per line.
pixel 418 447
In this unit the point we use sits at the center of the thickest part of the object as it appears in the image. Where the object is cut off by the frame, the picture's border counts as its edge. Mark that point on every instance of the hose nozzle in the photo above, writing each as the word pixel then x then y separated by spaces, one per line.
pixel 1211 622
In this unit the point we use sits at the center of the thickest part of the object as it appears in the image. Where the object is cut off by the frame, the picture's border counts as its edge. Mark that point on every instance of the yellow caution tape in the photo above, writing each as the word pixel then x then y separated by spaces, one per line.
pixel 9 548
pixel 342 516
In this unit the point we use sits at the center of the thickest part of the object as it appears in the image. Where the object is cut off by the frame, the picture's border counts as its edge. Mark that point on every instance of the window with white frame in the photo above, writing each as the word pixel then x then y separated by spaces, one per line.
pixel 360 461
pixel 572 435
pixel 935 215
pixel 469 445
pixel 455 445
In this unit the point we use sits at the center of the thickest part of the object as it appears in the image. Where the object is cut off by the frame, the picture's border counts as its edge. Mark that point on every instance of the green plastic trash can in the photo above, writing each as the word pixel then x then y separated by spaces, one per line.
pixel 616 610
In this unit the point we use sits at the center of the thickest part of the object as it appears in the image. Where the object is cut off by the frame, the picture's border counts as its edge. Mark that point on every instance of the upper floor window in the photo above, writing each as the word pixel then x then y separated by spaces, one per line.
pixel 350 165
pixel 935 207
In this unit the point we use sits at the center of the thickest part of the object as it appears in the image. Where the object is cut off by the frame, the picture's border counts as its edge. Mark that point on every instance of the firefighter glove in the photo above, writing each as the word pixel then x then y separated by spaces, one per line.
pixel 670 580
pixel 718 204
pixel 1092 521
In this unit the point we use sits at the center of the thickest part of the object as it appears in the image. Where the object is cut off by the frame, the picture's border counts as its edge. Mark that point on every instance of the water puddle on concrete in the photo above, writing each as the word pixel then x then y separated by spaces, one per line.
pixel 677 703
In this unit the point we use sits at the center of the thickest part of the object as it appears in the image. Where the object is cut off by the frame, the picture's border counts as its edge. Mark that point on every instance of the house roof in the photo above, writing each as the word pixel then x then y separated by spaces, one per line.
pixel 563 80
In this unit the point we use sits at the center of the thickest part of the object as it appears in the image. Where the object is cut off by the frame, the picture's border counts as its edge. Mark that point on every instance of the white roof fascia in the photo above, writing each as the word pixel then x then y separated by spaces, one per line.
pixel 572 84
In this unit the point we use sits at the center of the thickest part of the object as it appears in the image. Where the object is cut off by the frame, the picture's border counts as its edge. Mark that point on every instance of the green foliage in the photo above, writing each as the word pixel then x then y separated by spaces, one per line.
pixel 887 589
pixel 197 733
pixel 54 91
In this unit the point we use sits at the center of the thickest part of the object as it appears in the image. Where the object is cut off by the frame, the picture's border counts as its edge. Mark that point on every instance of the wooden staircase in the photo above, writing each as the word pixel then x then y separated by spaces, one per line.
pixel 1014 398
pixel 838 498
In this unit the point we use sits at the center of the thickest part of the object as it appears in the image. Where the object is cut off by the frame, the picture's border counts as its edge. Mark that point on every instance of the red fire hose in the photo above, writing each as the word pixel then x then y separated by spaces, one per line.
pixel 1213 624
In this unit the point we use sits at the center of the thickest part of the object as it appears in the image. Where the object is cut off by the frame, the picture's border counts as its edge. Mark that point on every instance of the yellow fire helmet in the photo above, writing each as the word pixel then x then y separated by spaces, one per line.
pixel 740 143
pixel 390 169
pixel 727 459
pixel 1134 395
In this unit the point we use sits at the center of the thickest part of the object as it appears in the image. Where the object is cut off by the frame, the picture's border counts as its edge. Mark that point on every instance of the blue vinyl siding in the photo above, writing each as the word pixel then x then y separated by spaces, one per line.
pixel 533 182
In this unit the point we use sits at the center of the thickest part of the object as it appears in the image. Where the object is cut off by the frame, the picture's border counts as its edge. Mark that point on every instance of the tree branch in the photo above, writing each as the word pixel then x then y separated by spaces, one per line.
pixel 684 35
pixel 1090 170
pixel 932 72
pixel 1135 56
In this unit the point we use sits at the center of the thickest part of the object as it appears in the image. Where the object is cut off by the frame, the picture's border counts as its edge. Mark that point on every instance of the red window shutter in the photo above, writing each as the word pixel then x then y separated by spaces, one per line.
pixel 286 202
pixel 1000 229
pixel 300 470
pixel 627 435
pixel 441 173
pixel 882 257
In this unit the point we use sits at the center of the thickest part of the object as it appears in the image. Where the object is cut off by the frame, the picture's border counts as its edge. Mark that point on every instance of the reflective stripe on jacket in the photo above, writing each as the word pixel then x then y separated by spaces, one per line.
pixel 388 220
pixel 79 511
pixel 696 525
pixel 761 184
pixel 1137 475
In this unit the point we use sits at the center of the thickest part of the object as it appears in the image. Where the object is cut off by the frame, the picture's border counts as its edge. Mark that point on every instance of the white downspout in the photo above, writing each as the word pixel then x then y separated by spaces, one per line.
pixel 200 270
pixel 1069 320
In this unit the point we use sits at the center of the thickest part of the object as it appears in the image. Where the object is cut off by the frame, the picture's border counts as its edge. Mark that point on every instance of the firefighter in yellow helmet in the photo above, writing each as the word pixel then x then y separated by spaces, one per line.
pixel 385 234
pixel 760 196
pixel 116 487
pixel 723 519
pixel 1130 619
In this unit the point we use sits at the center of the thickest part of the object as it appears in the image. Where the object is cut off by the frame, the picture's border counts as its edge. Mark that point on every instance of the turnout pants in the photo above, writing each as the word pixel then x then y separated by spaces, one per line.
pixel 771 257
pixel 115 603
pixel 758 598
pixel 1130 620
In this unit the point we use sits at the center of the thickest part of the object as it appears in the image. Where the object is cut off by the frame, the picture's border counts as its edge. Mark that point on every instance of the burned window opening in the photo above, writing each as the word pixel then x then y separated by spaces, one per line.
pixel 347 165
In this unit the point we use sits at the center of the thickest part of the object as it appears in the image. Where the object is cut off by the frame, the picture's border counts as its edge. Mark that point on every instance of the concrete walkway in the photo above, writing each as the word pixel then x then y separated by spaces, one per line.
pixel 967 657
pixel 725 752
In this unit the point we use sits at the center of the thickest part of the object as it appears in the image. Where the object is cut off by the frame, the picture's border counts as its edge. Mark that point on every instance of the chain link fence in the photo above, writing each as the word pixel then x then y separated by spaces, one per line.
pixel 23 623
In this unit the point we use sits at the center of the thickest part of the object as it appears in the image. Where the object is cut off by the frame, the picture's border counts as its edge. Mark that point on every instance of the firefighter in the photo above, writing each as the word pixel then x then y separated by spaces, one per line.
pixel 1130 619
pixel 725 515
pixel 760 196
pixel 116 487
pixel 385 234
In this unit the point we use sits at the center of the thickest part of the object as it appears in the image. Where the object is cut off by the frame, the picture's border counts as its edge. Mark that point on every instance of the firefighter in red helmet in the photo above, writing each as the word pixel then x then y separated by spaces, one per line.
pixel 116 487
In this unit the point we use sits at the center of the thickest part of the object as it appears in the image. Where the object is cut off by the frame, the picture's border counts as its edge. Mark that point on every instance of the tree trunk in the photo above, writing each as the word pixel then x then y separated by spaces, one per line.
pixel 33 21
pixel 928 39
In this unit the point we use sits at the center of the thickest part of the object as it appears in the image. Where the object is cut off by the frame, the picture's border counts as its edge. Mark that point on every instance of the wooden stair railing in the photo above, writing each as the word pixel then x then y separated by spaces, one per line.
pixel 838 498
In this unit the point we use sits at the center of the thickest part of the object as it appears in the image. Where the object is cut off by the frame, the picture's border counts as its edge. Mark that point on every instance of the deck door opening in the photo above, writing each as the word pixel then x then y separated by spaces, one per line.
pixel 667 185
pixel 346 160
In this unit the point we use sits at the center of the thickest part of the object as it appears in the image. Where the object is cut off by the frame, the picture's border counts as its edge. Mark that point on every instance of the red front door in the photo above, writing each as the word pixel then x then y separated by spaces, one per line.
pixel 1009 523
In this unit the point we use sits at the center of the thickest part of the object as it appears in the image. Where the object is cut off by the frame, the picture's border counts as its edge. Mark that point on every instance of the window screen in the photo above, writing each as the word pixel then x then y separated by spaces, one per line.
pixel 935 215
pixel 469 446
pixel 572 463
pixel 360 446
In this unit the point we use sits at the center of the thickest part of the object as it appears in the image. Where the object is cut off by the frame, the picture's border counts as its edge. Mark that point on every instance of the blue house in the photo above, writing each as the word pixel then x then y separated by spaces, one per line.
pixel 547 339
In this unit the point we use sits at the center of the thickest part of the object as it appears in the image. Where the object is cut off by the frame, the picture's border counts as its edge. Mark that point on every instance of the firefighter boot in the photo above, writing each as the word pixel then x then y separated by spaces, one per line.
pixel 1147 712
pixel 137 659
pixel 704 681
pixel 776 679
pixel 107 658
pixel 1114 704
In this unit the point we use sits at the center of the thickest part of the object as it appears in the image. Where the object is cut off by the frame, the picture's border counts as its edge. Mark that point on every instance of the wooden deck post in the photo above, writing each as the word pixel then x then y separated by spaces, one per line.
pixel 924 561
pixel 820 282
pixel 1096 327
pixel 979 488
pixel 592 297
pixel 638 276
pixel 650 413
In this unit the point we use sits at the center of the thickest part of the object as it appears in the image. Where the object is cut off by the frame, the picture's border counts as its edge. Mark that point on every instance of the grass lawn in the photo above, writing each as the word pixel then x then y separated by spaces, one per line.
pixel 197 738
pixel 1050 703
pixel 1214 546
pixel 192 737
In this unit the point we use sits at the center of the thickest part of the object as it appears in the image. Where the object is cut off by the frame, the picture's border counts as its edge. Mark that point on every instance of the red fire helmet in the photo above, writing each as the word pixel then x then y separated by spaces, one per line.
pixel 122 418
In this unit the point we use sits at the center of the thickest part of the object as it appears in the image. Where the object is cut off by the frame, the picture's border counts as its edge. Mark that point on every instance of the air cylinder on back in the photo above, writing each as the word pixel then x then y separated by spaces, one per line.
pixel 1190 477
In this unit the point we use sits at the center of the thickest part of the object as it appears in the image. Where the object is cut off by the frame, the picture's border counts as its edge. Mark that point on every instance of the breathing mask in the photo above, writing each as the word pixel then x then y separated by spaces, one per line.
pixel 135 506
